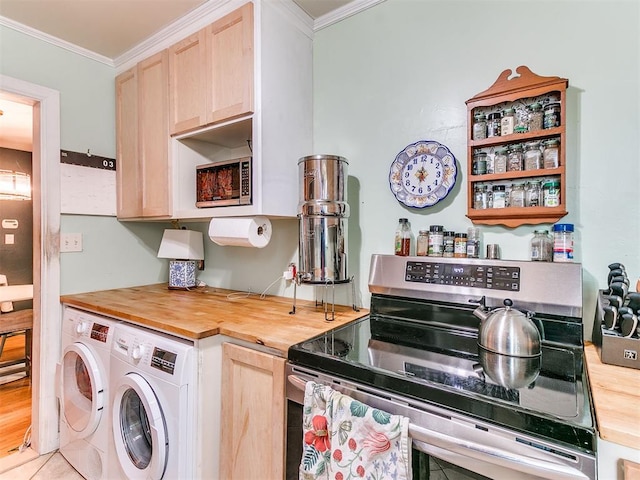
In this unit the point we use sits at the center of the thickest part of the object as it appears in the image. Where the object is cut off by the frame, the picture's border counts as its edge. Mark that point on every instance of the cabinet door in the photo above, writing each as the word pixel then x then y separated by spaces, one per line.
pixel 253 414
pixel 229 79
pixel 127 171
pixel 187 70
pixel 153 105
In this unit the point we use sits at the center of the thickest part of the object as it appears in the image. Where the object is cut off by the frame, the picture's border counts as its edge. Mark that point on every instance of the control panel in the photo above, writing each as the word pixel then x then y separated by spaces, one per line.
pixel 464 275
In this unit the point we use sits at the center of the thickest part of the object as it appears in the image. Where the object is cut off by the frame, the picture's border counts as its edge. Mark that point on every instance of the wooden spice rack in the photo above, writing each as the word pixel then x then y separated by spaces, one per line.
pixel 508 89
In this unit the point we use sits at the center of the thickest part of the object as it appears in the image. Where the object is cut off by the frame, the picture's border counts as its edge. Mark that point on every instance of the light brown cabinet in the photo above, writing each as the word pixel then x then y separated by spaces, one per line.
pixel 143 186
pixel 252 441
pixel 212 73
pixel 517 91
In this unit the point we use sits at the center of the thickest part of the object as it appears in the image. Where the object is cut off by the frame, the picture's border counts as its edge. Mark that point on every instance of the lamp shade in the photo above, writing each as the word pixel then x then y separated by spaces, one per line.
pixel 181 244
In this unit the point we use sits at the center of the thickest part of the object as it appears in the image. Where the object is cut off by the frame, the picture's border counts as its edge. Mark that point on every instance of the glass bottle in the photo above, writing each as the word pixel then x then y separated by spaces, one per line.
pixel 532 156
pixel 522 120
pixel 493 125
pixel 541 246
pixel 449 244
pixel 535 117
pixel 551 118
pixel 403 238
pixel 551 154
pixel 422 243
pixel 500 161
pixel 551 193
pixel 479 131
pixel 473 242
pixel 516 195
pixel 436 240
pixel 532 194
pixel 508 121
pixel 480 197
pixel 514 159
pixel 499 196
pixel 460 245
pixel 479 166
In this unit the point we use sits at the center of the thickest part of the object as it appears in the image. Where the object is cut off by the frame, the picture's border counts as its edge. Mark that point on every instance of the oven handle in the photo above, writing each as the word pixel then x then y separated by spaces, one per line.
pixel 423 438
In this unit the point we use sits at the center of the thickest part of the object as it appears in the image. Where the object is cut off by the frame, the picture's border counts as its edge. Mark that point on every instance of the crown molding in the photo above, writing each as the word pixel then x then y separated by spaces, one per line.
pixel 348 10
pixel 45 37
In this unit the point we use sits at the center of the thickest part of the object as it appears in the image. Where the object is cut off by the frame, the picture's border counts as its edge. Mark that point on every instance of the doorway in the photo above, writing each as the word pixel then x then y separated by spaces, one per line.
pixel 46 262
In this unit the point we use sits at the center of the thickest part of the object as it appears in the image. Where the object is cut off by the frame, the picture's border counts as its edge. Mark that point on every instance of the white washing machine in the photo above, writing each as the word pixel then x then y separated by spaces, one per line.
pixel 82 379
pixel 153 395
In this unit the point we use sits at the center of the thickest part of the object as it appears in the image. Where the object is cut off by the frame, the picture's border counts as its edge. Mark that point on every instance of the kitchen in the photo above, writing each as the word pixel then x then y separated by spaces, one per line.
pixel 405 70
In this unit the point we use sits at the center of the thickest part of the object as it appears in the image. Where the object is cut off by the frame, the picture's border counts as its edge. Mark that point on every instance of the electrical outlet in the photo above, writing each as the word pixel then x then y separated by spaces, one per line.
pixel 70 242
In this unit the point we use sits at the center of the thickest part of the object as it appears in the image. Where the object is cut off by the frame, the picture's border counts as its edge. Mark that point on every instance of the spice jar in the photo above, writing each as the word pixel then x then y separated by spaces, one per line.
pixel 551 154
pixel 551 117
pixel 535 117
pixel 479 166
pixel 460 245
pixel 403 238
pixel 516 195
pixel 473 242
pixel 532 156
pixel 507 122
pixel 563 242
pixel 541 246
pixel 479 131
pixel 449 244
pixel 522 120
pixel 551 193
pixel 422 243
pixel 436 240
pixel 499 196
pixel 493 125
pixel 532 194
pixel 480 197
pixel 514 158
pixel 500 161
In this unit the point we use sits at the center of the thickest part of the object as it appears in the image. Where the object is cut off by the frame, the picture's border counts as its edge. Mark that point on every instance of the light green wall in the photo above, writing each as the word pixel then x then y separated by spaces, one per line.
pixel 401 72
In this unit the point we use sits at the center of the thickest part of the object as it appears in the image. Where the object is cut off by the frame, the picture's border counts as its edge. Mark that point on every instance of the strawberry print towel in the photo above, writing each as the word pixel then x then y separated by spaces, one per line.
pixel 345 439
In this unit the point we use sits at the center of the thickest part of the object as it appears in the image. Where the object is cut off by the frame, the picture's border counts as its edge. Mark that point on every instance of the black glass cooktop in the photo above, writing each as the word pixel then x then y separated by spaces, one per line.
pixel 435 358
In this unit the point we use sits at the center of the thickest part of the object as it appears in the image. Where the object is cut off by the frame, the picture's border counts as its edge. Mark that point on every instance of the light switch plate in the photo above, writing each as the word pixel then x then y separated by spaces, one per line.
pixel 70 242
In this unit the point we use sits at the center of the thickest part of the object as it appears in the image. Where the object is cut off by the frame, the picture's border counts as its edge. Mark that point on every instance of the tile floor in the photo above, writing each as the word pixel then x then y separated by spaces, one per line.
pixel 441 470
pixel 51 466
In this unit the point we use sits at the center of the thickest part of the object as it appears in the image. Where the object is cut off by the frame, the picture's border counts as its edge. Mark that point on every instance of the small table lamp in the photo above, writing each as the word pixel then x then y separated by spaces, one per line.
pixel 184 247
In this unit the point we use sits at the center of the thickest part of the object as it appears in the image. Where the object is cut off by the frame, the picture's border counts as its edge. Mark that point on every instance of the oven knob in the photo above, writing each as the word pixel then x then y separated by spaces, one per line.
pixel 137 352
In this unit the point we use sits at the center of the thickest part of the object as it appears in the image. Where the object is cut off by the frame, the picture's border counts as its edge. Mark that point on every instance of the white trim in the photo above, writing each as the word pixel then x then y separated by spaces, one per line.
pixel 350 9
pixel 58 42
pixel 46 303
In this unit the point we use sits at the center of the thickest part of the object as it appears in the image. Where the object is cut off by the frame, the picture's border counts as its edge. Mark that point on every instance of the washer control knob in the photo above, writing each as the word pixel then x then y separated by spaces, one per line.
pixel 137 352
pixel 81 327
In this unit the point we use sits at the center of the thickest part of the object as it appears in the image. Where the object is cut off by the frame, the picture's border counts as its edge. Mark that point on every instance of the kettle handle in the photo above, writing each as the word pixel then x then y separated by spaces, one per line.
pixel 482 301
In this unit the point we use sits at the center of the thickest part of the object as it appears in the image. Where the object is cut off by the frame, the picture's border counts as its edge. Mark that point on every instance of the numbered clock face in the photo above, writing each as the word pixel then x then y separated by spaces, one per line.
pixel 423 174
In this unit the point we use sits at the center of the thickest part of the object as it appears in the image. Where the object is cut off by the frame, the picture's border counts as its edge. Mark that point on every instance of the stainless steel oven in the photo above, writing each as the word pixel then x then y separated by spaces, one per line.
pixel 417 355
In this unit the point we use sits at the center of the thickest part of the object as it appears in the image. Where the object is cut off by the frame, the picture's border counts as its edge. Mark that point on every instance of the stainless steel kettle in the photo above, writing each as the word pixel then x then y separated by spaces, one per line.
pixel 507 331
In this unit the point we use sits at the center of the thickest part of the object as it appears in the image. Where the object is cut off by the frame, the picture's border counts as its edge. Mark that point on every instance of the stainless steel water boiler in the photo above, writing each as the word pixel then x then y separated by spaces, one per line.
pixel 323 213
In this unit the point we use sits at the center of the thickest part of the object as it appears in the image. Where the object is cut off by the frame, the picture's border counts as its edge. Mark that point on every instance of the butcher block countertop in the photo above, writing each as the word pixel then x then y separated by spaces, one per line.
pixel 206 311
pixel 616 398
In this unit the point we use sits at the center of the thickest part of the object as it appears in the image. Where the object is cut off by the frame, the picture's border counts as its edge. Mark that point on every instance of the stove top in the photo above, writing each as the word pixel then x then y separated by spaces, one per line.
pixel 423 345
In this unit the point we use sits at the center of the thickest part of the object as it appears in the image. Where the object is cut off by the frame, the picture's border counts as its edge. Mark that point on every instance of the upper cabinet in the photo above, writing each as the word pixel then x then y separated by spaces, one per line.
pixel 142 139
pixel 212 73
pixel 239 87
pixel 516 150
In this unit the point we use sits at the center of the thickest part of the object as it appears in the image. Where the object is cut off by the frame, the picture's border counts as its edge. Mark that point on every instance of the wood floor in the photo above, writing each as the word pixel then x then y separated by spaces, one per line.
pixel 15 402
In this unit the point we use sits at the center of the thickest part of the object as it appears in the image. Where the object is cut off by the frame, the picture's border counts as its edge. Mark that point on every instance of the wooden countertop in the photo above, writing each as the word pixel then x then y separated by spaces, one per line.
pixel 616 399
pixel 206 311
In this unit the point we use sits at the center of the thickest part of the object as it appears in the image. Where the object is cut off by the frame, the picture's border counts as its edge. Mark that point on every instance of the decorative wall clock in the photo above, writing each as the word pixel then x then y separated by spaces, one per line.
pixel 423 174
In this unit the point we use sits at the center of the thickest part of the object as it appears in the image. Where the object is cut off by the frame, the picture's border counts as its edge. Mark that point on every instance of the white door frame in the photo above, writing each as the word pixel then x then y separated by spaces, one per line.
pixel 46 256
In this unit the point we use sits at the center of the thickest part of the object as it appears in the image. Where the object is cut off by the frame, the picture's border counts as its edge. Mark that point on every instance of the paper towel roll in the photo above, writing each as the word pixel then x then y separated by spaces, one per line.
pixel 240 231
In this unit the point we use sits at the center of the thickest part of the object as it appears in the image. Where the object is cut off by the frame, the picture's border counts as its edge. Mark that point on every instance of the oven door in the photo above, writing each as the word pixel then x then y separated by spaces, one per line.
pixel 476 449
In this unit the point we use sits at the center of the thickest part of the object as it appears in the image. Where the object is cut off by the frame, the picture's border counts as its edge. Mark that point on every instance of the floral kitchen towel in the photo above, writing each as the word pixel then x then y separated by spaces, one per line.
pixel 346 439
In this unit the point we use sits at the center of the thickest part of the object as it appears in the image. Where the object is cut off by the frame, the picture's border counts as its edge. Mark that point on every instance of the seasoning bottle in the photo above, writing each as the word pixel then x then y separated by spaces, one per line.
pixel 535 117
pixel 563 242
pixel 422 243
pixel 551 193
pixel 500 161
pixel 493 125
pixel 522 120
pixel 532 194
pixel 449 244
pixel 436 240
pixel 532 156
pixel 551 118
pixel 480 197
pixel 541 246
pixel 473 242
pixel 499 196
pixel 460 245
pixel 479 165
pixel 479 131
pixel 551 154
pixel 514 158
pixel 507 122
pixel 403 238
pixel 516 195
